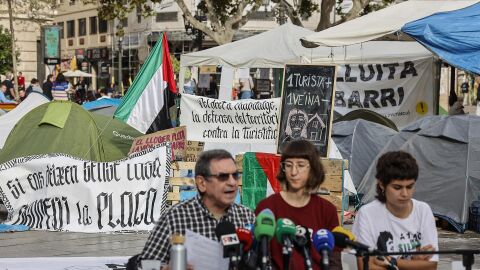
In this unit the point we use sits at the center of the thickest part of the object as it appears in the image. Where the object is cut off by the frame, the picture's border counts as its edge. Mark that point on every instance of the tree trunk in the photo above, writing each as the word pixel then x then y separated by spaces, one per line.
pixel 325 12
pixel 14 55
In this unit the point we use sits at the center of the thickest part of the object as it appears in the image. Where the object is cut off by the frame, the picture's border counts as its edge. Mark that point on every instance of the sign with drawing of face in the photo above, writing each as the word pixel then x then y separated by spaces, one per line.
pixel 307 105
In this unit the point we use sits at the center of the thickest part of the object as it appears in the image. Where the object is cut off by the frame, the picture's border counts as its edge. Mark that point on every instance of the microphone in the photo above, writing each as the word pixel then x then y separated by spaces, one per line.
pixel 343 238
pixel 225 231
pixel 324 242
pixel 249 256
pixel 302 242
pixel 347 233
pixel 284 233
pixel 246 239
pixel 264 231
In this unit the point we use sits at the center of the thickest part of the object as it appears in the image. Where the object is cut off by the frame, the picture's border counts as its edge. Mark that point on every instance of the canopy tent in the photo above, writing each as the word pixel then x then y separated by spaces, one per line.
pixel 381 23
pixel 54 128
pixel 77 73
pixel 453 36
pixel 445 148
pixel 9 120
pixel 359 141
pixel 281 45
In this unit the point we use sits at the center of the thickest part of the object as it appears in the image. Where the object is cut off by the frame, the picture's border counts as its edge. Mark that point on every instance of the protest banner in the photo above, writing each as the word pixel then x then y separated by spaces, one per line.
pixel 241 121
pixel 400 91
pixel 307 99
pixel 176 136
pixel 58 192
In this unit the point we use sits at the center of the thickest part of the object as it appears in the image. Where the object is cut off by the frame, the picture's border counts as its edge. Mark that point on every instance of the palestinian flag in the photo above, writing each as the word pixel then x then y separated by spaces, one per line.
pixel 146 104
pixel 259 179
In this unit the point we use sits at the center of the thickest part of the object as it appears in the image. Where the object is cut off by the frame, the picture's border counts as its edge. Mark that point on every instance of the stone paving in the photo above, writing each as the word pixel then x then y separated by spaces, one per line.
pixel 68 244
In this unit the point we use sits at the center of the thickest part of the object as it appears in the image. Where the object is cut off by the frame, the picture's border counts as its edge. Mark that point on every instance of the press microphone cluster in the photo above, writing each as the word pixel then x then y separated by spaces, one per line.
pixel 249 248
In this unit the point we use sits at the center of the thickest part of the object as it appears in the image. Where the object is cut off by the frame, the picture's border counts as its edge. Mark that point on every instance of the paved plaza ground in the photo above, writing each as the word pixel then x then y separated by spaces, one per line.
pixel 67 244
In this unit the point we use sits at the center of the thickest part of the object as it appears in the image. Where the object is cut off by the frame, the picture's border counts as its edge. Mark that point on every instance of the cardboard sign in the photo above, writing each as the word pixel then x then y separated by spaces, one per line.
pixel 176 136
pixel 307 105
pixel 193 150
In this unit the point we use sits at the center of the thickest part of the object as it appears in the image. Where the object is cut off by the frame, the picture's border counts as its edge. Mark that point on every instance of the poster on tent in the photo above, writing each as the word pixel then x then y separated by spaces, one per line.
pixel 58 192
pixel 401 91
pixel 307 99
pixel 240 121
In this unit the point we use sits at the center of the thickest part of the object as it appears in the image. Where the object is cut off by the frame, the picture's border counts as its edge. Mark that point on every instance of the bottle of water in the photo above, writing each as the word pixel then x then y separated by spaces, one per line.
pixel 178 253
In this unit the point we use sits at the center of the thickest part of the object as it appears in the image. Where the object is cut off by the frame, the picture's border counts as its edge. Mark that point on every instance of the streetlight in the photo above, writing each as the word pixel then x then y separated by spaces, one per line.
pixel 279 12
pixel 120 56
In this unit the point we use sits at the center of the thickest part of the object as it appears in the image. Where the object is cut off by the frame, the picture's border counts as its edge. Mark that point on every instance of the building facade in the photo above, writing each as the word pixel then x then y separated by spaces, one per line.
pixel 87 39
pixel 27 38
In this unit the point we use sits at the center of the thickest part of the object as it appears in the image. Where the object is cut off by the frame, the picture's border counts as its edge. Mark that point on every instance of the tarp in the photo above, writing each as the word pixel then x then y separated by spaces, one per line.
pixel 453 36
pixel 104 106
pixel 281 45
pixel 446 150
pixel 9 120
pixel 380 23
pixel 360 141
pixel 65 127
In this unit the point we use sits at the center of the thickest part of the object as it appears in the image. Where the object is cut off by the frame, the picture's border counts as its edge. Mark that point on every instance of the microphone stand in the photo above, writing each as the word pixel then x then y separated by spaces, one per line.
pixel 467 255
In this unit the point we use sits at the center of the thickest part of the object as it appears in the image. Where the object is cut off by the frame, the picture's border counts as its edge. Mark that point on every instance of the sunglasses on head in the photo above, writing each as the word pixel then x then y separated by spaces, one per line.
pixel 223 177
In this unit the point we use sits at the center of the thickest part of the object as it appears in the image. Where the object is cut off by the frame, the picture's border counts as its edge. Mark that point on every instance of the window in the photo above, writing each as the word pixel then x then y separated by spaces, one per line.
pixel 166 17
pixel 102 26
pixel 70 29
pixel 62 29
pixel 93 25
pixel 82 27
pixel 72 2
pixel 124 22
pixel 139 14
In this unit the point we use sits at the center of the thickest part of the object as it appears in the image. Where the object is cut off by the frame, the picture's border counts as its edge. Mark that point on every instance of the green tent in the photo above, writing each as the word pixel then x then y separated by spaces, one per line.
pixel 65 127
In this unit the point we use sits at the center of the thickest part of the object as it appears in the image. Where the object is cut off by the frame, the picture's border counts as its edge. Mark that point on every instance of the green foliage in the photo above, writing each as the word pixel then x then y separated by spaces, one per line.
pixel 374 6
pixel 6 62
pixel 224 9
pixel 306 8
pixel 175 64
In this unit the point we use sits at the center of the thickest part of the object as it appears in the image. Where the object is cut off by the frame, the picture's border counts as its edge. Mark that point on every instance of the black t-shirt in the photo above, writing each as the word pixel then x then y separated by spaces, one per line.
pixel 9 85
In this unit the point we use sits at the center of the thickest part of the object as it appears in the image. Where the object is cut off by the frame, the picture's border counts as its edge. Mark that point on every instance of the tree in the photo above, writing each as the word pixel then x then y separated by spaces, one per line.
pixel 32 9
pixel 226 17
pixel 6 56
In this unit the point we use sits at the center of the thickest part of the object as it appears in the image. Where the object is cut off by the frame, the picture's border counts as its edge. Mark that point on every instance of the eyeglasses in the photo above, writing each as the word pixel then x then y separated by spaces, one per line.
pixel 223 177
pixel 288 166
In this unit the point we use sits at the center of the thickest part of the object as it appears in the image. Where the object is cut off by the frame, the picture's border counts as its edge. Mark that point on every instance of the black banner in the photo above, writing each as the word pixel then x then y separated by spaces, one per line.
pixel 307 100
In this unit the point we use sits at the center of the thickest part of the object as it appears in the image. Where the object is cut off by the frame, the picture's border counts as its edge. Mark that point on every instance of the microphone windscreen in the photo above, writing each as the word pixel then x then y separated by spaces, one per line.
pixel 264 225
pixel 245 237
pixel 340 239
pixel 223 228
pixel 323 240
pixel 347 233
pixel 285 227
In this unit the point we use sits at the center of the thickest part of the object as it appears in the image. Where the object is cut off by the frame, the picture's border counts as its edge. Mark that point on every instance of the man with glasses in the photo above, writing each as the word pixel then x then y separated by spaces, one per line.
pixel 216 177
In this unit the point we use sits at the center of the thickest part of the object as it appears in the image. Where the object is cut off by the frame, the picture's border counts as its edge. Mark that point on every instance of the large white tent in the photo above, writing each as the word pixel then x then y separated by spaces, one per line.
pixel 382 22
pixel 281 45
pixel 9 120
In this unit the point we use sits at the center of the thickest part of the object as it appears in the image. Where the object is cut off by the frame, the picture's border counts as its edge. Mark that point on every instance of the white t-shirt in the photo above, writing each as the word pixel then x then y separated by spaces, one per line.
pixel 376 227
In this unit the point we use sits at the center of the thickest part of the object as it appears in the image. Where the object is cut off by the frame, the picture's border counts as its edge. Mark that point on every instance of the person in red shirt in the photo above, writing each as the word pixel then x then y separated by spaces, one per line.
pixel 301 175
pixel 21 81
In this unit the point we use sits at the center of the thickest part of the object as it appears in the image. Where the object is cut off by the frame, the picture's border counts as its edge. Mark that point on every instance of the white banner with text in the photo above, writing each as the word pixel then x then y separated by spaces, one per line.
pixel 59 192
pixel 241 121
pixel 401 91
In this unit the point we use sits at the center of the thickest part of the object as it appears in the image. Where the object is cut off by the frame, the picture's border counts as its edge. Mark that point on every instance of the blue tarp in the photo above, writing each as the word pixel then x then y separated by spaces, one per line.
pixel 454 36
pixel 101 103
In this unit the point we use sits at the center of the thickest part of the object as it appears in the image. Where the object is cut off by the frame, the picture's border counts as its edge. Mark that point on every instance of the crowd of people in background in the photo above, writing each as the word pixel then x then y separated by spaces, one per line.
pixel 54 87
